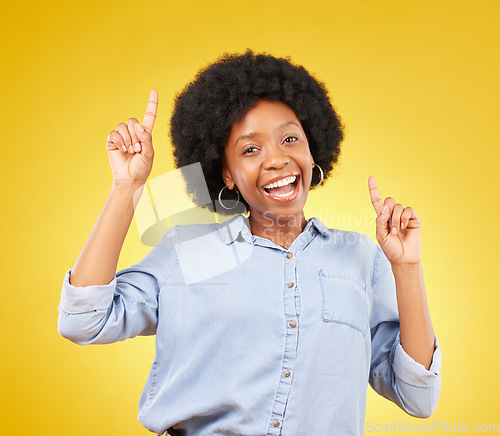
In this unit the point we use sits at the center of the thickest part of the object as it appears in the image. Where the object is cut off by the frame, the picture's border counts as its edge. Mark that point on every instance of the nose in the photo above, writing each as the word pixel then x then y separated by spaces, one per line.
pixel 275 158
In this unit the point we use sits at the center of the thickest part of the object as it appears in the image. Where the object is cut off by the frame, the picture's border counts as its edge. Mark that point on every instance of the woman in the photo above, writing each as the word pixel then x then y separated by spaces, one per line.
pixel 266 324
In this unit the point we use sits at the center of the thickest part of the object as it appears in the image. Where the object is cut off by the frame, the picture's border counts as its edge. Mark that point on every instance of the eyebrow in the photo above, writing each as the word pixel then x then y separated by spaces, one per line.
pixel 253 134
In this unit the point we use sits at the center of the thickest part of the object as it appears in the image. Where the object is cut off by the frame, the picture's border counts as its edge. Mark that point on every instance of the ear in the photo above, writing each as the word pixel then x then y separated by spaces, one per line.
pixel 226 176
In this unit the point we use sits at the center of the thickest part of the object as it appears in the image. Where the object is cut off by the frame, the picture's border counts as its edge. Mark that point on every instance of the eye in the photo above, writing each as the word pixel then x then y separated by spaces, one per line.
pixel 248 150
pixel 291 137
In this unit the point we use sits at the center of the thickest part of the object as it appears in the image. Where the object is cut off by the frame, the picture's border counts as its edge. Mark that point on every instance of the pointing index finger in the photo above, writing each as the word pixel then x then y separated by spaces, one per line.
pixel 151 110
pixel 377 202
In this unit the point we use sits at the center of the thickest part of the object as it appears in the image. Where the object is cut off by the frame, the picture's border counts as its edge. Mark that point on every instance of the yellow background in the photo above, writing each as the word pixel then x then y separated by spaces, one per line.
pixel 416 83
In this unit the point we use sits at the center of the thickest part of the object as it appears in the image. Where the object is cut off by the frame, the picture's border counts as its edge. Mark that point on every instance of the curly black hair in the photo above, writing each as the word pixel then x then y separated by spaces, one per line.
pixel 224 91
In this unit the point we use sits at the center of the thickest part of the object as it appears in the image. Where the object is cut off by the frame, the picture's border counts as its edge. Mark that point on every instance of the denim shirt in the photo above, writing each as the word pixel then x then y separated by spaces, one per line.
pixel 255 339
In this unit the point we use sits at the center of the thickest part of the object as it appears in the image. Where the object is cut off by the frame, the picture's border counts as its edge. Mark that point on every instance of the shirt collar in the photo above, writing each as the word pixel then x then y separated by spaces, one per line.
pixel 234 226
pixel 240 224
pixel 320 227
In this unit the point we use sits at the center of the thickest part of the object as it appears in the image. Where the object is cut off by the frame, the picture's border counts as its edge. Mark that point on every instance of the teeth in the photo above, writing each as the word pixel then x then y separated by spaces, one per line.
pixel 282 182
pixel 284 195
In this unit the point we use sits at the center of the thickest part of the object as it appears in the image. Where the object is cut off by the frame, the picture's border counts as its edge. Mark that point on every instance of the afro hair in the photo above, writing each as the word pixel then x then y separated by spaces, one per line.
pixel 224 91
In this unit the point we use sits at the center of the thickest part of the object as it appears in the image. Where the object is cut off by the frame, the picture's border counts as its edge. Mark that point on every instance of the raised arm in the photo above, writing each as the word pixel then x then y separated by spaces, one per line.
pixel 398 233
pixel 406 358
pixel 130 152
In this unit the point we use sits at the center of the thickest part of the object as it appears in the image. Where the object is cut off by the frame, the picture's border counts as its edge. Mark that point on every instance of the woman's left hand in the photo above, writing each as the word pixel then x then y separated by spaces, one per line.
pixel 402 245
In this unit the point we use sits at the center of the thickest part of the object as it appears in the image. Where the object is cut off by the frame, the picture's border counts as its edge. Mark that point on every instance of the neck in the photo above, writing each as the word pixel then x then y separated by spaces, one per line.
pixel 282 230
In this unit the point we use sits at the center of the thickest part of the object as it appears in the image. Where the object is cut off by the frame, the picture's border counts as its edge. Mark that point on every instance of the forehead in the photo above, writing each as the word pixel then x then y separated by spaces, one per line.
pixel 263 114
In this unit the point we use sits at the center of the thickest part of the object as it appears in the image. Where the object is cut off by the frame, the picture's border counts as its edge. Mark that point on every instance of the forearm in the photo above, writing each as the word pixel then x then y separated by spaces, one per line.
pixel 416 333
pixel 97 262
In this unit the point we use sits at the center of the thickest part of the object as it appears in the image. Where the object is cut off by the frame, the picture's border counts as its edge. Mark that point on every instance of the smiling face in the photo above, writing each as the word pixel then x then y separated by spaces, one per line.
pixel 268 159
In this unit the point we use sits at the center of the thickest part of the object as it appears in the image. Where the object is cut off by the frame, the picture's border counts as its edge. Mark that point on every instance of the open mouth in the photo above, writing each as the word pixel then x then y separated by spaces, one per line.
pixel 283 190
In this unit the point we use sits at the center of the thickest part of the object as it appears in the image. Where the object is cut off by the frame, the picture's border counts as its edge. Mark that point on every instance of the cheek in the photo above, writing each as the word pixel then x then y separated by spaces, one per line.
pixel 308 171
pixel 242 175
pixel 245 178
pixel 308 176
pixel 307 161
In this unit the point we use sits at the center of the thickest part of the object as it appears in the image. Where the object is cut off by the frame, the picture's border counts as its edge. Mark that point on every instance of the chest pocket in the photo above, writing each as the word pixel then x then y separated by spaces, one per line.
pixel 344 300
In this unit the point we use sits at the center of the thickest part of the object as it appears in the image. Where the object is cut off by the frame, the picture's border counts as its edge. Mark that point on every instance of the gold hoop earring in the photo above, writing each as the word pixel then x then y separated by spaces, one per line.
pixel 220 201
pixel 322 176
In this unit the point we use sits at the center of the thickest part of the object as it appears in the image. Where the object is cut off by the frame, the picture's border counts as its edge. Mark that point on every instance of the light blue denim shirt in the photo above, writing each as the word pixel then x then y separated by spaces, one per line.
pixel 254 339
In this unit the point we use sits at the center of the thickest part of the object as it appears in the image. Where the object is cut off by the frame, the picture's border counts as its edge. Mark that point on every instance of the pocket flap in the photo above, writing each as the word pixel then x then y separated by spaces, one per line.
pixel 344 300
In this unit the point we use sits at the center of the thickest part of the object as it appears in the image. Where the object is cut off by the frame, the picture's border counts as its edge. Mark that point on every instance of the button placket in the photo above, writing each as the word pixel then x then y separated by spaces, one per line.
pixel 292 324
pixel 291 343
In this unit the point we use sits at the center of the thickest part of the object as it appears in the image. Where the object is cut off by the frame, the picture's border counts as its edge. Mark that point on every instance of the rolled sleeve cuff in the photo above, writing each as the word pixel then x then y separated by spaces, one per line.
pixel 412 372
pixel 86 298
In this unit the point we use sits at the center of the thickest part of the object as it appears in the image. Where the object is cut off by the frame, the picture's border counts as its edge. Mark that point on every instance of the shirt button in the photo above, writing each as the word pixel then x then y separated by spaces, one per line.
pixel 276 423
pixel 290 285
pixel 292 324
pixel 286 373
pixel 311 228
pixel 289 255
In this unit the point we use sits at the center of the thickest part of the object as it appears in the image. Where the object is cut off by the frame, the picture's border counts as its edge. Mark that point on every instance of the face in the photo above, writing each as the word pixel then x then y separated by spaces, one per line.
pixel 269 148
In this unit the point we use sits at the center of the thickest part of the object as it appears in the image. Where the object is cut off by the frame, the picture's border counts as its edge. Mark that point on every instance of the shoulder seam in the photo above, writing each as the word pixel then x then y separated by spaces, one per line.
pixel 173 231
pixel 375 265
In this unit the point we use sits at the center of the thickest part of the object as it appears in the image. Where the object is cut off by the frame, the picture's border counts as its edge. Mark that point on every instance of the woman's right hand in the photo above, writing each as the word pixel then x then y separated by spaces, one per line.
pixel 130 150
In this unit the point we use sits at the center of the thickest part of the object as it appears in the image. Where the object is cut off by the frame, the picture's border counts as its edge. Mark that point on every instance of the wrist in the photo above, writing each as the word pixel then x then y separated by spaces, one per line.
pixel 405 268
pixel 128 188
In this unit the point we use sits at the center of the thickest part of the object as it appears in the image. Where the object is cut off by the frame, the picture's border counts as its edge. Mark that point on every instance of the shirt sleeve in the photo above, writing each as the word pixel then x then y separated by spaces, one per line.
pixel 393 373
pixel 124 308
